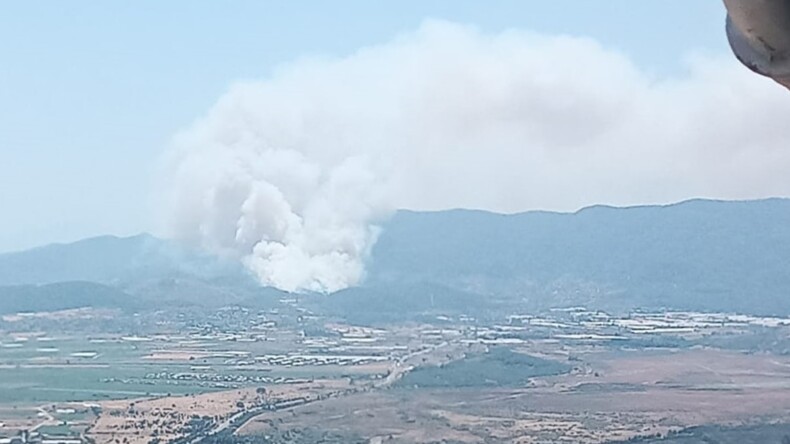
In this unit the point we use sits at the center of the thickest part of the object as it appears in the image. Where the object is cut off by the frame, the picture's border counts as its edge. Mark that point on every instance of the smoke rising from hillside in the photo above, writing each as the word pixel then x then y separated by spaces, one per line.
pixel 293 173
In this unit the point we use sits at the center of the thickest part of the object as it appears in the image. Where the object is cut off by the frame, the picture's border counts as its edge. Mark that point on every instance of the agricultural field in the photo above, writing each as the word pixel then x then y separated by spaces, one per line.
pixel 62 382
pixel 498 367
pixel 632 395
pixel 39 369
pixel 238 376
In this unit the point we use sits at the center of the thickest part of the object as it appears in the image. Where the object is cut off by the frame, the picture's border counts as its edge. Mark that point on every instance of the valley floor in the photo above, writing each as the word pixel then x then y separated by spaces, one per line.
pixel 239 376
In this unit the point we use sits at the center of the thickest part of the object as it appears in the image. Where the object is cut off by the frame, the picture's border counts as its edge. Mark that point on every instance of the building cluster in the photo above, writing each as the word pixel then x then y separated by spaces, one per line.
pixel 298 360
pixel 33 437
pixel 580 324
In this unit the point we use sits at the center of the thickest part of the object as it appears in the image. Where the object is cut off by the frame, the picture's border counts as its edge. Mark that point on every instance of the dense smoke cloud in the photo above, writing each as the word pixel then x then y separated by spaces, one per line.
pixel 292 173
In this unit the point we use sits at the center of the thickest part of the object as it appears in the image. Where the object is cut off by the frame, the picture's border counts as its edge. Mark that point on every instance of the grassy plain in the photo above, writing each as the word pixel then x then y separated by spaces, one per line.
pixel 35 369
pixel 614 397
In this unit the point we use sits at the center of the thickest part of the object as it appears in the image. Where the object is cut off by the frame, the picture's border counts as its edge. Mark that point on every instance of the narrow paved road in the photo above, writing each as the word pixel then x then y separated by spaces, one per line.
pixel 48 419
pixel 400 367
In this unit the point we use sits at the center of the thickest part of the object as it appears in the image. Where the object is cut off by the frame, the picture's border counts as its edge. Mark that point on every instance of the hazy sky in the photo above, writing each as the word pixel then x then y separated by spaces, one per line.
pixel 91 93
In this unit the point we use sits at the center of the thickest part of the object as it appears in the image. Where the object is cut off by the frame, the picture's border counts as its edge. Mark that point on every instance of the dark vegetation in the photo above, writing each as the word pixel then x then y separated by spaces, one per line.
pixel 757 434
pixel 500 367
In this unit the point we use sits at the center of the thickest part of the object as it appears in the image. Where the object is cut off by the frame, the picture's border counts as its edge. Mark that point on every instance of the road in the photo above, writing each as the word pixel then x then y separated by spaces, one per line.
pixel 48 419
pixel 399 368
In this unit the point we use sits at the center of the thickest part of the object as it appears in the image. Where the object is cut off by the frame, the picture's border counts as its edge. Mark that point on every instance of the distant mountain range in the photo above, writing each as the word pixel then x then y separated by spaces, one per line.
pixel 140 272
pixel 699 254
pixel 61 296
pixel 109 260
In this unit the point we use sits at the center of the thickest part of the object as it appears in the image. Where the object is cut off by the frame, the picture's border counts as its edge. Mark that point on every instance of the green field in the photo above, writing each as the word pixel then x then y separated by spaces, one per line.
pixel 34 372
pixel 61 350
pixel 500 367
pixel 51 384
pixel 57 430
pixel 762 434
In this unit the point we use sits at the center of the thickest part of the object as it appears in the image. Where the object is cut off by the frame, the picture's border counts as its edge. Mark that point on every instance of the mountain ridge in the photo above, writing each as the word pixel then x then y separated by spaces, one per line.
pixel 696 254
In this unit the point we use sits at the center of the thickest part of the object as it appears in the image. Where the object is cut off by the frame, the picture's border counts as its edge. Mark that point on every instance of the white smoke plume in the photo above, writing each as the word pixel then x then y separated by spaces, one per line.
pixel 292 173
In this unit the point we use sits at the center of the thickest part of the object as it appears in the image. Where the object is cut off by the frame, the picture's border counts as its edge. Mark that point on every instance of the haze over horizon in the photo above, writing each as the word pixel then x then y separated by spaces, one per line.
pixel 159 236
pixel 296 165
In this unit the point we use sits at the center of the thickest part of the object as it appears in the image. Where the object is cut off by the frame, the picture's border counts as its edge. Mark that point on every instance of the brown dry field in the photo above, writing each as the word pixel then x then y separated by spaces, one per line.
pixel 634 394
pixel 165 416
pixel 371 368
pixel 456 416
pixel 694 367
pixel 136 420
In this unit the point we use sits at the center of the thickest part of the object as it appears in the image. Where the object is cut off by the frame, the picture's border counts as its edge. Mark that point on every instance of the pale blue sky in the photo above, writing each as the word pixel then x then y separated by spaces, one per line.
pixel 91 91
